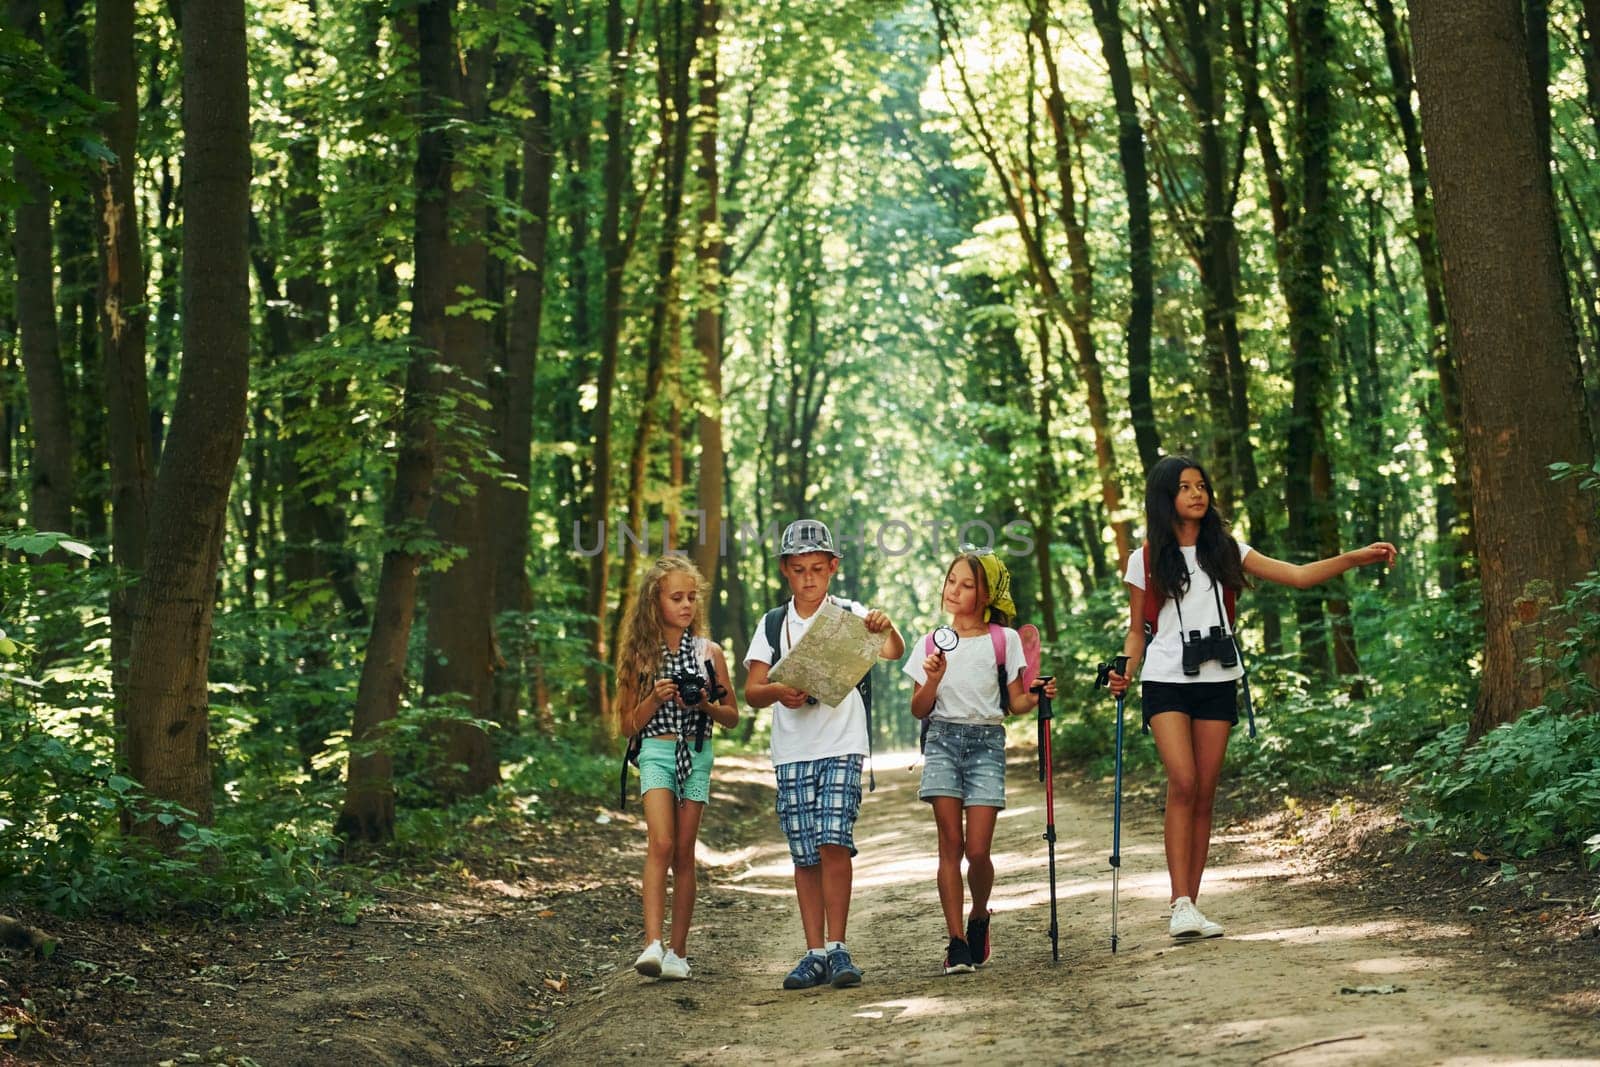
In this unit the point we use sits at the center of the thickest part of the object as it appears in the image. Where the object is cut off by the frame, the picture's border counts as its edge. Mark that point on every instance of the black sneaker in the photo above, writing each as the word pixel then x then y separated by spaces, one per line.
pixel 978 939
pixel 957 957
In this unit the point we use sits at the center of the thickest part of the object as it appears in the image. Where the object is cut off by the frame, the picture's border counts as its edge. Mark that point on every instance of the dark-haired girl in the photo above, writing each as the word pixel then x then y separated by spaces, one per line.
pixel 1196 569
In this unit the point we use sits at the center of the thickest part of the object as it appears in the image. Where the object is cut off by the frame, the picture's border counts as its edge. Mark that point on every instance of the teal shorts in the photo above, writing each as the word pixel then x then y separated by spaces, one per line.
pixel 658 769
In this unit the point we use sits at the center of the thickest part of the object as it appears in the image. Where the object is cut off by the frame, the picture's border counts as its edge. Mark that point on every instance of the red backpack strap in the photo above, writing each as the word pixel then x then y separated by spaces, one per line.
pixel 1230 601
pixel 1152 603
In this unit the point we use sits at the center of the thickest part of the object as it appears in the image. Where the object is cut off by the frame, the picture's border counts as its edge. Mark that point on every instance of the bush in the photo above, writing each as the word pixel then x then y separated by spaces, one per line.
pixel 1526 786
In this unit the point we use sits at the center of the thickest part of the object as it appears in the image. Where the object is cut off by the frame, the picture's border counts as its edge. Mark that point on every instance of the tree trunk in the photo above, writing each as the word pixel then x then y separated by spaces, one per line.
pixel 168 749
pixel 1308 250
pixel 1079 317
pixel 1045 504
pixel 1507 294
pixel 368 811
pixel 514 415
pixel 1536 27
pixel 122 319
pixel 673 80
pixel 614 256
pixel 460 661
pixel 50 475
pixel 1136 181
pixel 75 293
pixel 708 325
pixel 1455 527
pixel 50 484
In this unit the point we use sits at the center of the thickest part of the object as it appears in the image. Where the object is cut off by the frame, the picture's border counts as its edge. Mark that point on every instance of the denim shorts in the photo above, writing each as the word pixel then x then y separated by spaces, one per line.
pixel 965 760
pixel 818 801
pixel 658 768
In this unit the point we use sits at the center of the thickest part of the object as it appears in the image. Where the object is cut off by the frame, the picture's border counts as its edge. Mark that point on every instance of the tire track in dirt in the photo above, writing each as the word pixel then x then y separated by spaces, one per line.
pixel 1270 990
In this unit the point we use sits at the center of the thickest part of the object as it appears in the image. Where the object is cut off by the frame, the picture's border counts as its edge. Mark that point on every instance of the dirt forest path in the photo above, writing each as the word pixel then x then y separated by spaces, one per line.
pixel 1268 991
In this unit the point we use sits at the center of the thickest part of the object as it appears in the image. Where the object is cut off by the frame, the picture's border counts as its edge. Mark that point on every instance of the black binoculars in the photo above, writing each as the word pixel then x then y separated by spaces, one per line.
pixel 1217 645
pixel 1102 673
pixel 692 688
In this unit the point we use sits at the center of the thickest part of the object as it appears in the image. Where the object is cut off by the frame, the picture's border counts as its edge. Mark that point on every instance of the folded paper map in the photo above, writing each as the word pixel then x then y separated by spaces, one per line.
pixel 831 657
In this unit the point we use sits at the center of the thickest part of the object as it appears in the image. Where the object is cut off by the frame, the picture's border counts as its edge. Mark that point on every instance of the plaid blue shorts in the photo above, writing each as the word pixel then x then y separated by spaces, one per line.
pixel 818 801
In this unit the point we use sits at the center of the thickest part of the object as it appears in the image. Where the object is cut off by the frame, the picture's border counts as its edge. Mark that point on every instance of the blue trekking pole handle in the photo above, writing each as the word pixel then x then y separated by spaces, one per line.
pixel 1119 664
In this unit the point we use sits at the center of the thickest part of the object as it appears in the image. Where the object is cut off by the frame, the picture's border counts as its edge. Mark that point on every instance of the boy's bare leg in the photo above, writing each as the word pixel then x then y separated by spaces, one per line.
pixel 837 874
pixel 808 889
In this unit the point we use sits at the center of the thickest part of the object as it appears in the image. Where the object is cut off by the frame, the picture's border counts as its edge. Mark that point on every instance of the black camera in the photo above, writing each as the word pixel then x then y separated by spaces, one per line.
pixel 1217 645
pixel 692 688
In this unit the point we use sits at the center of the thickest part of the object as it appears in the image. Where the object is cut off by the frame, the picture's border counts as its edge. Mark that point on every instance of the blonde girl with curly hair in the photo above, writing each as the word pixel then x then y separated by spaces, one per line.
pixel 672 683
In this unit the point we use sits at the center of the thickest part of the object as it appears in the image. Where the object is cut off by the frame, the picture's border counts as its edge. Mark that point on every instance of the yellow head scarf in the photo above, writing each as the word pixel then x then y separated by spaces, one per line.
pixel 999 582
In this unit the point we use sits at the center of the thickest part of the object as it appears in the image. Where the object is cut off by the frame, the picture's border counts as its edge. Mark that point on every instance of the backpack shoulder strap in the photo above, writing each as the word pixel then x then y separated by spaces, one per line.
pixel 630 754
pixel 1230 601
pixel 772 624
pixel 997 638
pixel 1152 603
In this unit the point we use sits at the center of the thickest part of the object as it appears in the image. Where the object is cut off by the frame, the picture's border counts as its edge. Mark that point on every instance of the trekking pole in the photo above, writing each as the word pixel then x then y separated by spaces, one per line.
pixel 1103 677
pixel 1047 776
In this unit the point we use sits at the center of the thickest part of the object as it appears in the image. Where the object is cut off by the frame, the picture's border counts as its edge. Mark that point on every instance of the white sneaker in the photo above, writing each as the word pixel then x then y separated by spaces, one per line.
pixel 1186 921
pixel 674 967
pixel 649 961
pixel 1207 927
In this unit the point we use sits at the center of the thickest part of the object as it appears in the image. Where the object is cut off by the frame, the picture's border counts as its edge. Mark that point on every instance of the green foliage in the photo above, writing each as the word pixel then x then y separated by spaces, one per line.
pixel 1529 785
pixel 47 119
pixel 1534 783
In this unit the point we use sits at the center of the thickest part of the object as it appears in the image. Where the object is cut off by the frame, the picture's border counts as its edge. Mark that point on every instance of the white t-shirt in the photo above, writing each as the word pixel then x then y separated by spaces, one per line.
pixel 811 731
pixel 970 691
pixel 1163 656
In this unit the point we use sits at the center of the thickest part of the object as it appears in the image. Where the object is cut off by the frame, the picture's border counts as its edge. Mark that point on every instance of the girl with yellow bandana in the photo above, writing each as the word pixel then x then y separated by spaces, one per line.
pixel 966 682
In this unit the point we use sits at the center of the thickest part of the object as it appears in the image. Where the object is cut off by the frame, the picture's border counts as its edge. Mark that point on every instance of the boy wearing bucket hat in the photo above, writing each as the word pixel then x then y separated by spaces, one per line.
pixel 817 753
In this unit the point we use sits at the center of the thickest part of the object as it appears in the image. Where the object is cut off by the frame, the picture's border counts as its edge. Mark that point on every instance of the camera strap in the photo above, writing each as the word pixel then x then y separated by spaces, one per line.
pixel 1249 708
pixel 1227 628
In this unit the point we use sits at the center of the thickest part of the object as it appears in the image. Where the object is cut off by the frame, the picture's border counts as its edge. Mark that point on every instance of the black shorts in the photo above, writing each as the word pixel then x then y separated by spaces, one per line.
pixel 1215 701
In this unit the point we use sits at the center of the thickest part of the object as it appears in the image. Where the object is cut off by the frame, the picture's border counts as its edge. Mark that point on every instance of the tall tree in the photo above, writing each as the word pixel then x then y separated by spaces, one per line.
pixel 514 407
pixel 614 257
pixel 168 746
pixel 461 657
pixel 708 321
pixel 368 810
pixel 1136 182
pixel 1454 497
pixel 680 40
pixel 1072 305
pixel 50 475
pixel 122 321
pixel 1507 293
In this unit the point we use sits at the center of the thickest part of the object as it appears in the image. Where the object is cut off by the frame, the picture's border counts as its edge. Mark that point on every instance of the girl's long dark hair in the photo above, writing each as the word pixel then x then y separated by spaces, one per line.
pixel 1217 552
